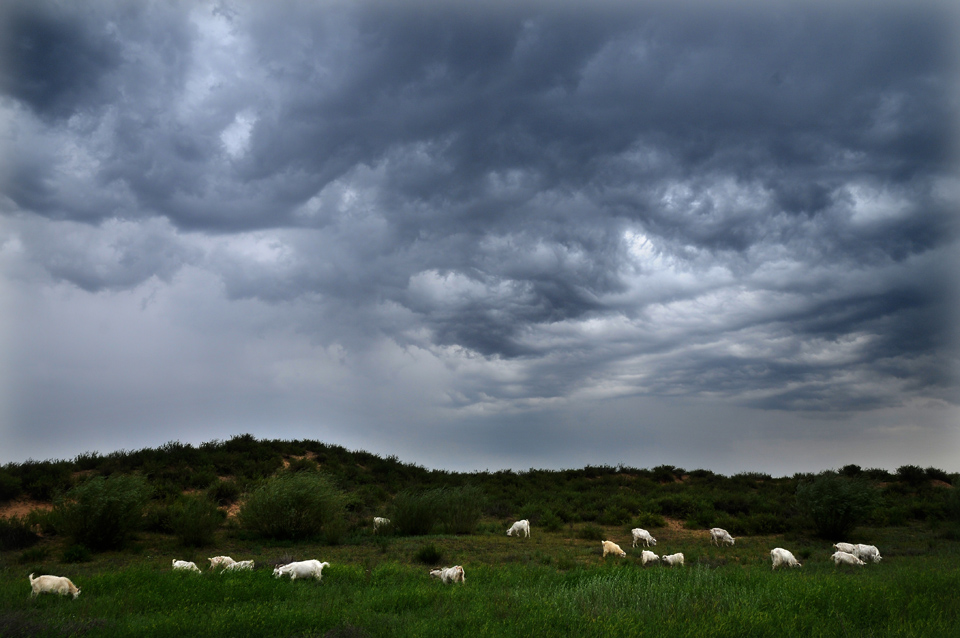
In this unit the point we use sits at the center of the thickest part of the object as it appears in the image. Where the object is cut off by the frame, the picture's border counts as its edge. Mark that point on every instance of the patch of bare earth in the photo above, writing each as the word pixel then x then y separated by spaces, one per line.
pixel 22 507
pixel 309 455
pixel 677 529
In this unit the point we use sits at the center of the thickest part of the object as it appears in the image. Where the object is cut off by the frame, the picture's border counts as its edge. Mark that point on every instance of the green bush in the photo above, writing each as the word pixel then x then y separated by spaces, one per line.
pixel 835 504
pixel 591 532
pixel 429 555
pixel 9 486
pixel 103 513
pixel 550 522
pixel 295 506
pixel 414 512
pixel 460 509
pixel 33 555
pixel 615 516
pixel 76 554
pixel 647 520
pixel 15 533
pixel 157 517
pixel 224 492
pixel 453 510
pixel 194 520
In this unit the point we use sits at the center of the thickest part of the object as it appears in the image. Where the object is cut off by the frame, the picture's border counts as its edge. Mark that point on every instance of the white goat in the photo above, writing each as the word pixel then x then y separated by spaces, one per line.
pixel 449 575
pixel 378 522
pixel 865 552
pixel 846 558
pixel 518 527
pixel 642 535
pixel 220 561
pixel 301 569
pixel 780 556
pixel 673 559
pixel 609 547
pixel 185 565
pixel 240 565
pixel 646 556
pixel 846 547
pixel 718 535
pixel 53 585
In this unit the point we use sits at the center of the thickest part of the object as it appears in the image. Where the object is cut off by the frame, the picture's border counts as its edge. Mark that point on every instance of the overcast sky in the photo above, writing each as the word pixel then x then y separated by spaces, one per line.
pixel 716 235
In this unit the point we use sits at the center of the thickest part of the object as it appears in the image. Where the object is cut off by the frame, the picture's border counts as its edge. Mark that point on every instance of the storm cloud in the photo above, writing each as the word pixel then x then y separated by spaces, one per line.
pixel 380 222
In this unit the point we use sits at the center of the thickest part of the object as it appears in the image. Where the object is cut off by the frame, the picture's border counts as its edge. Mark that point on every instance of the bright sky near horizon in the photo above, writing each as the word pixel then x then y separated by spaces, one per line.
pixel 484 235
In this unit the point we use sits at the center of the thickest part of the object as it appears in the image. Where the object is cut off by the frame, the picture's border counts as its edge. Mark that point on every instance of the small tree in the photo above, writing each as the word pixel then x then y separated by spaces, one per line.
pixel 835 504
pixel 102 513
pixel 295 505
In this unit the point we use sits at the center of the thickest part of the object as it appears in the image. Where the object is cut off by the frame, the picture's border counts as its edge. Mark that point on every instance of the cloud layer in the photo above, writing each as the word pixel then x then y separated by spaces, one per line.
pixel 528 208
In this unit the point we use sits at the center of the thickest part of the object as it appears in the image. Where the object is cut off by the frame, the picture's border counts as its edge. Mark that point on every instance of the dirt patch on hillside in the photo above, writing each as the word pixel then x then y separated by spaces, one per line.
pixel 232 510
pixel 677 529
pixel 23 507
pixel 939 483
pixel 309 455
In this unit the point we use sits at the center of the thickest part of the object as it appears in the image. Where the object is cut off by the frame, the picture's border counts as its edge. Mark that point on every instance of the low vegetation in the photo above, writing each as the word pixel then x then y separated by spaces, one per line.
pixel 119 519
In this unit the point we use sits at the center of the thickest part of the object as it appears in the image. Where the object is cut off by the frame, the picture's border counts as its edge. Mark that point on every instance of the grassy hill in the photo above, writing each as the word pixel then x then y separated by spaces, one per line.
pixel 554 583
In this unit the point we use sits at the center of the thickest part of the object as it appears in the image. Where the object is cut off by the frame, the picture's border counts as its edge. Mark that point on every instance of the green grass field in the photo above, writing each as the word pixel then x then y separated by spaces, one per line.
pixel 552 584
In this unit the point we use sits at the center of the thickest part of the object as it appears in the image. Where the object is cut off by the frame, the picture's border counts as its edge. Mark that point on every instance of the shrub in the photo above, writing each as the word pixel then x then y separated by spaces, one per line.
pixel 460 509
pixel 224 492
pixel 414 513
pixel 157 517
pixel 33 555
pixel 76 554
pixel 194 520
pixel 550 522
pixel 9 486
pixel 429 555
pixel 615 516
pixel 647 520
pixel 912 475
pixel 835 504
pixel 295 506
pixel 103 513
pixel 591 532
pixel 453 510
pixel 15 533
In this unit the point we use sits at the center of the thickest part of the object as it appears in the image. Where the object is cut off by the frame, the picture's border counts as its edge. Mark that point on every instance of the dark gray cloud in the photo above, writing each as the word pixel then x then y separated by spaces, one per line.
pixel 749 202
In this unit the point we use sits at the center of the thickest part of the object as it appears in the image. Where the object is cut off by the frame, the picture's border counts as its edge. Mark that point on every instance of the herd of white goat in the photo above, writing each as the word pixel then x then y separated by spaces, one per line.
pixel 846 554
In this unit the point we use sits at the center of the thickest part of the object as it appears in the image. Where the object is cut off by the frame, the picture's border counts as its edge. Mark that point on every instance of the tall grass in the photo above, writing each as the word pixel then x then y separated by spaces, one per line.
pixel 451 510
pixel 911 598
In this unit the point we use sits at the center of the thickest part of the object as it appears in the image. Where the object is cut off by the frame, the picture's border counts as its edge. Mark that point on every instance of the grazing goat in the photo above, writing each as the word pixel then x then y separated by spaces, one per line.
pixel 609 547
pixel 220 561
pixel 646 556
pixel 780 556
pixel 870 552
pixel 673 559
pixel 449 575
pixel 518 527
pixel 846 558
pixel 238 566
pixel 378 522
pixel 301 569
pixel 849 548
pixel 718 535
pixel 642 535
pixel 53 585
pixel 185 566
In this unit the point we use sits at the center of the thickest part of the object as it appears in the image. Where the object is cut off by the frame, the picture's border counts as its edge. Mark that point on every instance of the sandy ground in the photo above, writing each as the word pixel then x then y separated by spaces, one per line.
pixel 22 507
